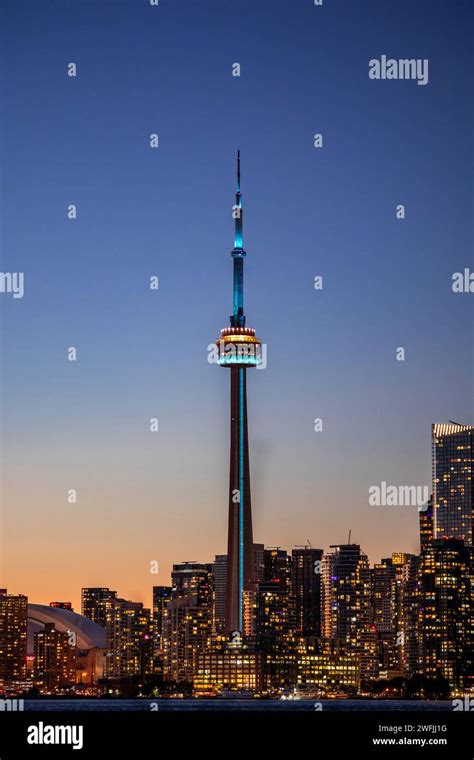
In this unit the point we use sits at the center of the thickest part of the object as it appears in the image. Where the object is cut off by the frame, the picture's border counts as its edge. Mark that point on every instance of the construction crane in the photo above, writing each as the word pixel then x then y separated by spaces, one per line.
pixel 304 546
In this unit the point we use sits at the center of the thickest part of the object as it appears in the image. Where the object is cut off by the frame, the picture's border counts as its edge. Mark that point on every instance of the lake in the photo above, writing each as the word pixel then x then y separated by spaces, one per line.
pixel 206 705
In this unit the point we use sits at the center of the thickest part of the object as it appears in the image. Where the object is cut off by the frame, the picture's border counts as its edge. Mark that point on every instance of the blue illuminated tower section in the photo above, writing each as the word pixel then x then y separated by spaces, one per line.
pixel 239 349
pixel 238 319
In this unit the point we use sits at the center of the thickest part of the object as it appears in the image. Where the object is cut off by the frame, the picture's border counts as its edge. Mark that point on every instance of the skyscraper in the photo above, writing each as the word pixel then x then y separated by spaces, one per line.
pixel 237 349
pixel 346 592
pixel 276 615
pixel 13 629
pixel 445 612
pixel 347 604
pixel 384 610
pixel 219 569
pixel 187 619
pixel 129 638
pixel 407 604
pixel 160 596
pixel 306 581
pixel 395 614
pixel 453 490
pixel 93 603
pixel 276 620
pixel 276 566
pixel 55 658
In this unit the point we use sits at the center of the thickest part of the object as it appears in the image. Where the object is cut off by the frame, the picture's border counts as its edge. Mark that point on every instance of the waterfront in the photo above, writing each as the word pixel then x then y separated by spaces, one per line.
pixel 238 705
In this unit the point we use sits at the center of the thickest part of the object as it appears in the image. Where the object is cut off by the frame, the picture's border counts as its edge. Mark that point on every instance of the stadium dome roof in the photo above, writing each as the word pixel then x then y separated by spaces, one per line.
pixel 88 633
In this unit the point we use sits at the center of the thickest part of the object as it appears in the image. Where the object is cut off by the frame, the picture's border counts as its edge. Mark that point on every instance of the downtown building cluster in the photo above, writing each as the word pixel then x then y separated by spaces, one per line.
pixel 326 623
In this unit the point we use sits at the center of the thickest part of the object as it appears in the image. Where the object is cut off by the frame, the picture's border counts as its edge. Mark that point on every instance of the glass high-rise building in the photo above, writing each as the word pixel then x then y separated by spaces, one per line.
pixel 406 610
pixel 160 595
pixel 129 639
pixel 346 592
pixel 187 619
pixel 94 603
pixel 384 617
pixel 13 632
pixel 453 491
pixel 219 568
pixel 347 604
pixel 276 608
pixel 55 659
pixel 306 567
pixel 446 603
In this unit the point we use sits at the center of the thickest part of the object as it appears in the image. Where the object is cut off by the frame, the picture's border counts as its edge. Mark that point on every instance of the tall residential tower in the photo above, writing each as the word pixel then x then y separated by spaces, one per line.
pixel 453 489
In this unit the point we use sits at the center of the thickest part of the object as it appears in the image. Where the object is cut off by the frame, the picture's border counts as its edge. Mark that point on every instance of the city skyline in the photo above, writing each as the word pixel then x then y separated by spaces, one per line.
pixel 460 526
pixel 261 622
pixel 420 512
pixel 143 496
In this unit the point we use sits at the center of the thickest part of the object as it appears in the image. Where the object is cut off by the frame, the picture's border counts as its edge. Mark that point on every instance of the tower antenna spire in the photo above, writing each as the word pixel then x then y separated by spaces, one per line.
pixel 238 214
pixel 238 253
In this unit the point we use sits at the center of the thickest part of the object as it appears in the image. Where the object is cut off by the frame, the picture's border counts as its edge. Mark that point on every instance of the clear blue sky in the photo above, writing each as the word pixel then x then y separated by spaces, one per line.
pixel 141 212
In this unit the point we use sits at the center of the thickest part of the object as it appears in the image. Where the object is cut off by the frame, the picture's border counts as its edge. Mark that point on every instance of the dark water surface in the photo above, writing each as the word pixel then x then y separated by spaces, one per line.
pixel 208 705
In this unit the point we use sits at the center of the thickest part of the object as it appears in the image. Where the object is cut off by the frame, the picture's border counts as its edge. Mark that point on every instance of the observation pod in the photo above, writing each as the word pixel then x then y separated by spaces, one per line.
pixel 239 347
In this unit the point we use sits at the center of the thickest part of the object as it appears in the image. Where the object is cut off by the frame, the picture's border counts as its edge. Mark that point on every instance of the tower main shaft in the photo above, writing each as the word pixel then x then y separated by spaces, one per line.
pixel 240 563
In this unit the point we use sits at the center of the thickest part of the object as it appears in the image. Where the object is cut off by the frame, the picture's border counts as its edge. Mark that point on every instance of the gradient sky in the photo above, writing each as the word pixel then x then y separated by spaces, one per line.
pixel 167 212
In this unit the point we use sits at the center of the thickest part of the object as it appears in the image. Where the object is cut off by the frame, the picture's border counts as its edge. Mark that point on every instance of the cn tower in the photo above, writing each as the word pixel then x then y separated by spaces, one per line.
pixel 239 349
